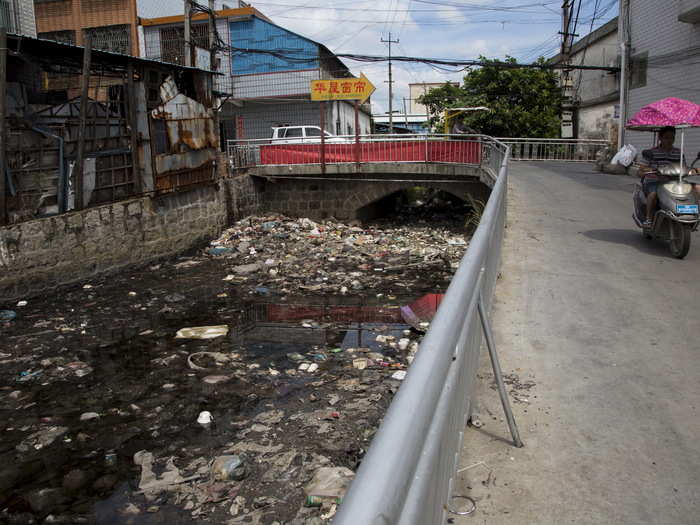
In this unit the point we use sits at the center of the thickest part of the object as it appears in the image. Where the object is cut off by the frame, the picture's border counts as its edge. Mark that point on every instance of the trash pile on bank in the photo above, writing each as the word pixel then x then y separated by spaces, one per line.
pixel 186 414
pixel 280 255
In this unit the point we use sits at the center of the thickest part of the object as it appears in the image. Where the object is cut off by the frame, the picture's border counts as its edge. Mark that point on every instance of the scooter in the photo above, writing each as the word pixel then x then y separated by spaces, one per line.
pixel 677 212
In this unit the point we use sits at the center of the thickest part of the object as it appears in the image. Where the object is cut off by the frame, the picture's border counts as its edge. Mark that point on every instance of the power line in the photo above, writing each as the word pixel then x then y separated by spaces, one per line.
pixel 429 61
pixel 541 21
pixel 466 7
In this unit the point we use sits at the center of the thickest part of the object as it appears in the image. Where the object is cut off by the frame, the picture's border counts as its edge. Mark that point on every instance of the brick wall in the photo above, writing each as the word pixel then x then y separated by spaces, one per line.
pixel 40 255
pixel 80 14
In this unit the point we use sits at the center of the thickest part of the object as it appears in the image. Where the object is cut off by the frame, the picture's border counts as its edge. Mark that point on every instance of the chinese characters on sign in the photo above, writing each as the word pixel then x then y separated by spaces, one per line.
pixel 342 89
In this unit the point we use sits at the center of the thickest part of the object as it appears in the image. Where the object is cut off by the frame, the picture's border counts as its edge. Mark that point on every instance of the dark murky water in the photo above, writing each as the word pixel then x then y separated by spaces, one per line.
pixel 105 350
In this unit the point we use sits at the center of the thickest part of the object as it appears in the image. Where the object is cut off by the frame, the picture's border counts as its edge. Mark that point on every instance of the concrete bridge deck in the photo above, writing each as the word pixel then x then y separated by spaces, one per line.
pixel 606 326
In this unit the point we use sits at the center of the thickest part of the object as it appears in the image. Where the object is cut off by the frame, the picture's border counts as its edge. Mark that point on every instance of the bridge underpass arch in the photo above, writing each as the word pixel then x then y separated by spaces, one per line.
pixel 319 198
pixel 383 202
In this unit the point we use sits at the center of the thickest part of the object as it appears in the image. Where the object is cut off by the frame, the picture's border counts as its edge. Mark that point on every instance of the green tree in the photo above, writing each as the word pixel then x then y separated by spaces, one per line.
pixel 523 102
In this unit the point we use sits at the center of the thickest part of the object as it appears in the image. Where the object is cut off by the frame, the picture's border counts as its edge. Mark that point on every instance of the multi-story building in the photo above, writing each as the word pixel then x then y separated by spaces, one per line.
pixel 664 43
pixel 417 90
pixel 112 24
pixel 17 16
pixel 265 72
pixel 593 95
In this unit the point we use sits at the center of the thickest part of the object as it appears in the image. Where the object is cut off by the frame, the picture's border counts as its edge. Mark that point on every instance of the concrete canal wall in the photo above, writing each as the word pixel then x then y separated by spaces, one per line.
pixel 39 255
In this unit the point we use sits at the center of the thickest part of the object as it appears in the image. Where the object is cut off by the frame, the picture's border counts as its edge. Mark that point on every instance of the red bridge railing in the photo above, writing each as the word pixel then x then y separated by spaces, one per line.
pixel 451 149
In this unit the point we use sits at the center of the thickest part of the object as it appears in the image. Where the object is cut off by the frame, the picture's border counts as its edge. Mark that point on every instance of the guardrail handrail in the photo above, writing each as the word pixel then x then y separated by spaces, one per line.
pixel 348 149
pixel 567 150
pixel 407 148
pixel 406 476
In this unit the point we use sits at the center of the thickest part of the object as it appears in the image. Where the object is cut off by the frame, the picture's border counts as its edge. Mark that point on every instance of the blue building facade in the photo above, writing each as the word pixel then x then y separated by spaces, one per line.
pixel 271 77
pixel 255 33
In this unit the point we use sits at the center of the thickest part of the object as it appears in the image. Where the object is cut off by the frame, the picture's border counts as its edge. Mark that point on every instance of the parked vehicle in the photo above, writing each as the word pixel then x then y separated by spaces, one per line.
pixel 677 212
pixel 302 135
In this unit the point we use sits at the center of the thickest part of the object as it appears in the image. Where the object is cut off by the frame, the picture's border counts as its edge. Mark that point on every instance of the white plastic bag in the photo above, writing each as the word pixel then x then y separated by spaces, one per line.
pixel 625 157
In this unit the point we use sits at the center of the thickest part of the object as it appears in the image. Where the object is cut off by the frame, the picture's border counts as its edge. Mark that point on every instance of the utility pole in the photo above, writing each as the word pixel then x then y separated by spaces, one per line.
pixel 188 33
pixel 212 32
pixel 391 82
pixel 567 41
pixel 623 32
pixel 3 135
pixel 567 37
pixel 79 202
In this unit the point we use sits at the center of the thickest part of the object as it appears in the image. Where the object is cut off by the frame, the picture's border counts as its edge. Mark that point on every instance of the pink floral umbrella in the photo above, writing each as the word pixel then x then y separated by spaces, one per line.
pixel 671 111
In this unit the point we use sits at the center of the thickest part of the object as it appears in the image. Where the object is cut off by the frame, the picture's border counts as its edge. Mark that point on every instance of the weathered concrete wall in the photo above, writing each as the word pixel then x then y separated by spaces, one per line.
pixel 244 196
pixel 342 192
pixel 596 122
pixel 42 254
pixel 343 199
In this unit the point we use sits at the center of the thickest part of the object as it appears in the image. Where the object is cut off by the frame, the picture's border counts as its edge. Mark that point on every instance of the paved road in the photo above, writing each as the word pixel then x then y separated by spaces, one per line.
pixel 607 326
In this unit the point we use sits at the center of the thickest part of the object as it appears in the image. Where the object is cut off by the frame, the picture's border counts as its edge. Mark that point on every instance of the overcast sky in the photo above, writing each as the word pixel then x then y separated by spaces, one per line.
pixel 463 29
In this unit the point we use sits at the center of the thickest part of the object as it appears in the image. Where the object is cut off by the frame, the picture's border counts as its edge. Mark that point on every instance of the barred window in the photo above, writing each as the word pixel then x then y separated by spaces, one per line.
pixel 172 42
pixel 8 16
pixel 67 37
pixel 111 38
pixel 638 67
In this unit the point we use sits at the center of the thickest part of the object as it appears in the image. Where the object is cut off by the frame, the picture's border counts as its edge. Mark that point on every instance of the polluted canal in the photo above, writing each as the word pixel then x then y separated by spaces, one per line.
pixel 238 383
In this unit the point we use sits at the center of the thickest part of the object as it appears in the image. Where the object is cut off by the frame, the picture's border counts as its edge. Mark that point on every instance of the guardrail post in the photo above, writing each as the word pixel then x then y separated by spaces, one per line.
pixel 498 374
pixel 323 136
pixel 357 134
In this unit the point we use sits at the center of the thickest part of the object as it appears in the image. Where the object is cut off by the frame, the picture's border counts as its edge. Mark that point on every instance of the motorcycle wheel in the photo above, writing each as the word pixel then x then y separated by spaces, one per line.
pixel 680 240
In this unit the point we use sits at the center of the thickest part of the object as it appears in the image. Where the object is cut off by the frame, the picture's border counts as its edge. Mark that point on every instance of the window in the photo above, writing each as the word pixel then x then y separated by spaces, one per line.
pixel 638 66
pixel 293 133
pixel 67 37
pixel 116 39
pixel 313 132
pixel 172 42
pixel 161 144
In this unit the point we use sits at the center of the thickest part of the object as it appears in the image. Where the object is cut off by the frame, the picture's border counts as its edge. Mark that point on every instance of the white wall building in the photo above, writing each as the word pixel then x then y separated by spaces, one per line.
pixel 594 94
pixel 664 40
pixel 419 89
pixel 17 16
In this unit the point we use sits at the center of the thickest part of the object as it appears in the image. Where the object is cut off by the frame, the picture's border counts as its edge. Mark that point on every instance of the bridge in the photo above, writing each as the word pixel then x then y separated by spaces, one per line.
pixel 346 179
pixel 591 323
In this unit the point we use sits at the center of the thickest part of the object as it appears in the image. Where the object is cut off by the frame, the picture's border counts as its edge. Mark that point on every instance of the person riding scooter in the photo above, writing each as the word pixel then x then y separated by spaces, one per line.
pixel 663 154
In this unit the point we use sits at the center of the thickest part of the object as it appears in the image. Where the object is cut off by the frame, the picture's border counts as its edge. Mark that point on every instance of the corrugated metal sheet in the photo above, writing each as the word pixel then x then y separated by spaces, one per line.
pixel 189 123
pixel 192 140
pixel 285 83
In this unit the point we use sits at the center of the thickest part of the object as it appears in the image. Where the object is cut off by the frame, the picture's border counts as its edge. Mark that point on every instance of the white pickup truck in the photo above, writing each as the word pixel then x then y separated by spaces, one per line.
pixel 302 135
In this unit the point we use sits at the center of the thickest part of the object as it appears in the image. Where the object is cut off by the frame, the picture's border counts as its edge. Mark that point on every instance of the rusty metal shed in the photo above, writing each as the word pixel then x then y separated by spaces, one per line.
pixel 107 116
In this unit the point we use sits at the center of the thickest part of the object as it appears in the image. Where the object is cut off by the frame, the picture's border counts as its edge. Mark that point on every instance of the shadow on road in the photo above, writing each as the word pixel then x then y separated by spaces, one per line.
pixel 631 238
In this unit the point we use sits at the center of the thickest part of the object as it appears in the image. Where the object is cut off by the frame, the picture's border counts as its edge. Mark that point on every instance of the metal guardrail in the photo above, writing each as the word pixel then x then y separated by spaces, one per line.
pixel 407 474
pixel 473 150
pixel 568 150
